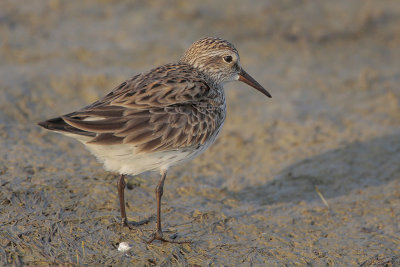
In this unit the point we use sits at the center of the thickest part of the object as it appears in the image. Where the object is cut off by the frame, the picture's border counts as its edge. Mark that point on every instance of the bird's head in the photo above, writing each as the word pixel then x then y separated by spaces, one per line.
pixel 220 61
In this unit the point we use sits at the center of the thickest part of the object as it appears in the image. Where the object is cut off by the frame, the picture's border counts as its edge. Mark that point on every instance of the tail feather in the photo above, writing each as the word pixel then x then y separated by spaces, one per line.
pixel 59 125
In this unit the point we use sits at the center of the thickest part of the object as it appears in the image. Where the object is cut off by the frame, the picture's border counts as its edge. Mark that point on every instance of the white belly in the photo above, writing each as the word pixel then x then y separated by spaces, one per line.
pixel 124 158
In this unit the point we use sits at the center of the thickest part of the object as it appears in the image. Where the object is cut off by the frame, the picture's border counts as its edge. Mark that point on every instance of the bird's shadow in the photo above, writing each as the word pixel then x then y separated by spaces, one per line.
pixel 350 168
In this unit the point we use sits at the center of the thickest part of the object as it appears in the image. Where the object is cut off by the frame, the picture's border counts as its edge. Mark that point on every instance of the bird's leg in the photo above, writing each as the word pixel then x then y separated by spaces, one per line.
pixel 124 220
pixel 158 234
pixel 121 187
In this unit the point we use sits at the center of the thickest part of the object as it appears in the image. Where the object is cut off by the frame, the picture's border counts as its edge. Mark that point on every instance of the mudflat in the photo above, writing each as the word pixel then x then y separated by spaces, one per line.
pixel 309 177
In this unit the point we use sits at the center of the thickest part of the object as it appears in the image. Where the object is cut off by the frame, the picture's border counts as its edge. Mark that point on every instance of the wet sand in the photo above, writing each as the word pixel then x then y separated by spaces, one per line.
pixel 309 177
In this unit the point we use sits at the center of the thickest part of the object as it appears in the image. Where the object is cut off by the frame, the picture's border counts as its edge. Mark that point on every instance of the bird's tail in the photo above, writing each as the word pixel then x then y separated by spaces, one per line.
pixel 59 125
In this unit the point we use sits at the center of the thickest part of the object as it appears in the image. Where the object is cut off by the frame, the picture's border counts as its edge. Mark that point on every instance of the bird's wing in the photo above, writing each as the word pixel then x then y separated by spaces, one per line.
pixel 166 109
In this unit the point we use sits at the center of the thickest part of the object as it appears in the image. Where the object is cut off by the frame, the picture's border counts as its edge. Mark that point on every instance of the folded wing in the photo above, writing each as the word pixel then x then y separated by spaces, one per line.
pixel 165 111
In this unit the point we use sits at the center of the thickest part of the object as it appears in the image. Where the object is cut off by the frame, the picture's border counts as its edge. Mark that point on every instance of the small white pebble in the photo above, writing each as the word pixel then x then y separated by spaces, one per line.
pixel 124 247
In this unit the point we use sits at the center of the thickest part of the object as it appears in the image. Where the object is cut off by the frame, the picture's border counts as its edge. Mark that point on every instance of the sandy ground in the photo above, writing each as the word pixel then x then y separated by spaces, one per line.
pixel 332 127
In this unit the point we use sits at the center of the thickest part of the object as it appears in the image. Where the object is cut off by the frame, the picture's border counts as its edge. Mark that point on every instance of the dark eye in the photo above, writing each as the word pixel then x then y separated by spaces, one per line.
pixel 228 59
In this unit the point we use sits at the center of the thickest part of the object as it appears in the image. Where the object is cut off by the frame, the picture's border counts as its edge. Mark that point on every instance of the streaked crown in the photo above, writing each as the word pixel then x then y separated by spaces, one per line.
pixel 216 57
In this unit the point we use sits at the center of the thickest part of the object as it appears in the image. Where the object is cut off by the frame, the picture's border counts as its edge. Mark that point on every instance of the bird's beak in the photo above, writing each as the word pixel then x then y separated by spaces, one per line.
pixel 246 78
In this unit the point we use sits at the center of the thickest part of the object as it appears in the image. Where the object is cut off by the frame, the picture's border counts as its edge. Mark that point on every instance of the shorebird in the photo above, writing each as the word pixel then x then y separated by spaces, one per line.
pixel 159 118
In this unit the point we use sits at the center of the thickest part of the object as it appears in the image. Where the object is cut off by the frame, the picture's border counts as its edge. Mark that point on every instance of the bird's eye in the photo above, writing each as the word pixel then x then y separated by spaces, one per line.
pixel 228 59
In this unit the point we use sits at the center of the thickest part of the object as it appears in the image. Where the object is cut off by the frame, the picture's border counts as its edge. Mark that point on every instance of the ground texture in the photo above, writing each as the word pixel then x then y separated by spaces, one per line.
pixel 309 177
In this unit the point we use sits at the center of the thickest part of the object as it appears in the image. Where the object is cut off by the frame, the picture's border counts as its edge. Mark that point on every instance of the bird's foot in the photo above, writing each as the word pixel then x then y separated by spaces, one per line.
pixel 131 225
pixel 158 235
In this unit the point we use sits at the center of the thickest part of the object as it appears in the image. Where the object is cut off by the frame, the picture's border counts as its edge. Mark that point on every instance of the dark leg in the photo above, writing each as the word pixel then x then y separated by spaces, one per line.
pixel 159 193
pixel 124 220
pixel 158 235
pixel 121 187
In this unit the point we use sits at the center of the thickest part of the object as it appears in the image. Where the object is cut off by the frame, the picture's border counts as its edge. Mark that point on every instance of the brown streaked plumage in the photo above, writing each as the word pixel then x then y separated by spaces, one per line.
pixel 159 118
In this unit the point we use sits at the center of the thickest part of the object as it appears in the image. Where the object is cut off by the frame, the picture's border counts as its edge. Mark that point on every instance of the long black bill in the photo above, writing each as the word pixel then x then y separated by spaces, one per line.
pixel 246 78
